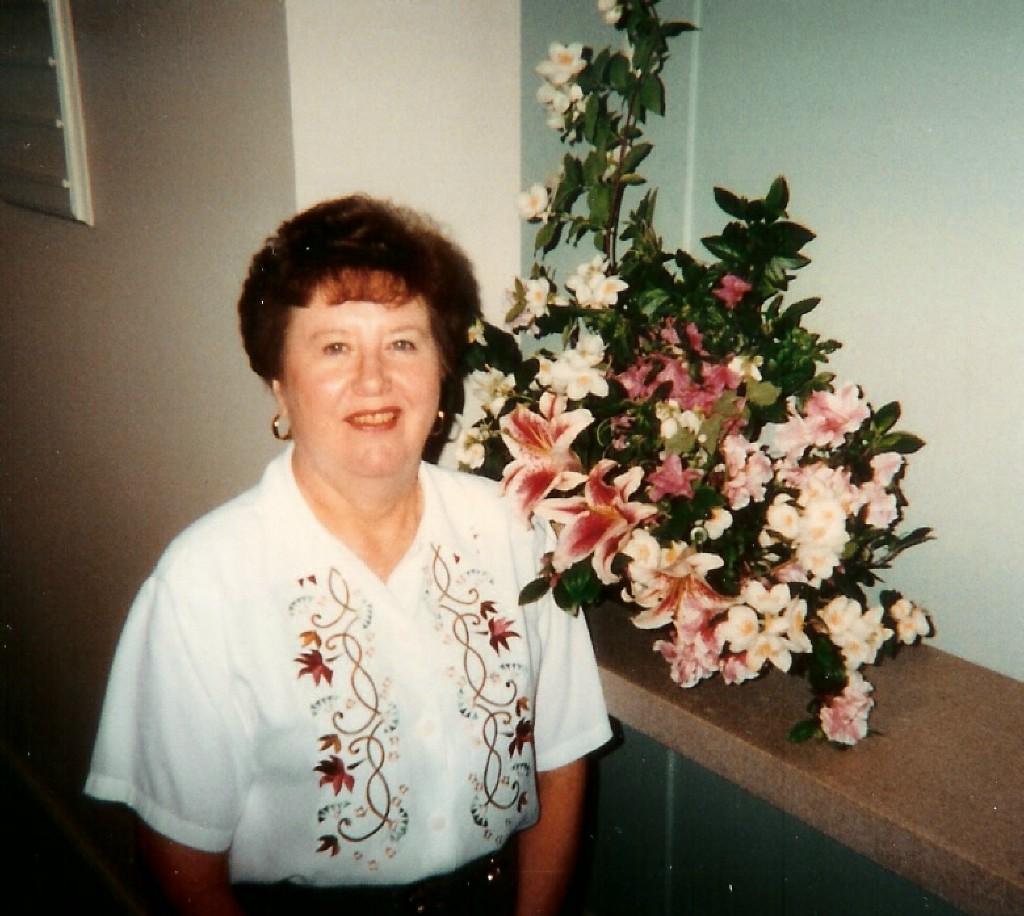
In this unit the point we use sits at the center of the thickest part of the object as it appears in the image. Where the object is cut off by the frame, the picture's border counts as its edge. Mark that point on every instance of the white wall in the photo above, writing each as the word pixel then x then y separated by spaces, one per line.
pixel 417 102
pixel 900 126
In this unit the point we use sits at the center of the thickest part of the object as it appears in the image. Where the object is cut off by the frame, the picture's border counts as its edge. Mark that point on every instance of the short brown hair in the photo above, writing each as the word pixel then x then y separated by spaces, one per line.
pixel 350 249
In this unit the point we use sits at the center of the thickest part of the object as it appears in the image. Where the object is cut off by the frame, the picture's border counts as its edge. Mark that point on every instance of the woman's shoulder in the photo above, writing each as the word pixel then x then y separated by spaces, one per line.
pixel 231 532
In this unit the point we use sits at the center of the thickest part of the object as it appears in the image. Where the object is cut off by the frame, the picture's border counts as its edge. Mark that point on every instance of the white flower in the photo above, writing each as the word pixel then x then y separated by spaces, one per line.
pixel 537 294
pixel 763 600
pixel 533 203
pixel 823 524
pixel 717 523
pixel 911 621
pixel 673 419
pixel 610 10
pixel 592 287
pixel 748 367
pixel 564 62
pixel 469 451
pixel 643 548
pixel 572 375
pixel 493 388
pixel 476 332
pixel 740 629
pixel 839 615
pixel 590 346
pixel 783 518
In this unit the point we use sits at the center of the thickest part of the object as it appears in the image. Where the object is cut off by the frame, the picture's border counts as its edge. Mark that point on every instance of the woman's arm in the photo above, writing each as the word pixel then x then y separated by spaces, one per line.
pixel 547 851
pixel 194 882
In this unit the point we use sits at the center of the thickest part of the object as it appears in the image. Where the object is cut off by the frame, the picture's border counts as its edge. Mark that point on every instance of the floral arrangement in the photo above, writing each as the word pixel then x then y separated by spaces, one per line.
pixel 671 419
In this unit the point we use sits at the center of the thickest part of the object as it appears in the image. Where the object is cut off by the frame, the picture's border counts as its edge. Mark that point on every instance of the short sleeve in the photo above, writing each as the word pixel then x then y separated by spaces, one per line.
pixel 169 745
pixel 570 717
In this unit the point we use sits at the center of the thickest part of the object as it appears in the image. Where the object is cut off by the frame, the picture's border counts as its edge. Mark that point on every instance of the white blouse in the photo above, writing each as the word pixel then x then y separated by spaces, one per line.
pixel 271 696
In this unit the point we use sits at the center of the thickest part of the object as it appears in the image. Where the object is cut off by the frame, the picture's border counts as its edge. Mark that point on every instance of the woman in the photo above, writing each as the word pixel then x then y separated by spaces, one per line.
pixel 328 682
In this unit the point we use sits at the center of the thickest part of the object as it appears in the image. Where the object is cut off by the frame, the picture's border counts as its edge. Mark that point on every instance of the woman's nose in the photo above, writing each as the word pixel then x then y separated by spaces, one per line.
pixel 371 374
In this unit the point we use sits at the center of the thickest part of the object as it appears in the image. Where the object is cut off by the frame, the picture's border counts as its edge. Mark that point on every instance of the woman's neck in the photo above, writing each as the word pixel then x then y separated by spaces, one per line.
pixel 376 520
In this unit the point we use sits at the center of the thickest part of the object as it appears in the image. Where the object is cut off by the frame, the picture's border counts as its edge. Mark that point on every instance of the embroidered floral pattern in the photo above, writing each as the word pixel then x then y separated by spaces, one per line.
pixel 489 680
pixel 360 722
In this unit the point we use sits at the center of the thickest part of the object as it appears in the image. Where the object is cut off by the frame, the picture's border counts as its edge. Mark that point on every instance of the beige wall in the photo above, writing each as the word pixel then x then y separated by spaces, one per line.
pixel 127 407
pixel 419 102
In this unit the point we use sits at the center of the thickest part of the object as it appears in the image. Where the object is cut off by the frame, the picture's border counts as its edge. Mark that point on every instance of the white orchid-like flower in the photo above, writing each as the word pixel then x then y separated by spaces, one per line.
pixel 534 202
pixel 674 419
pixel 575 372
pixel 592 287
pixel 538 296
pixel 718 523
pixel 469 450
pixel 564 63
pixel 747 367
pixel 858 635
pixel 610 10
pixel 493 388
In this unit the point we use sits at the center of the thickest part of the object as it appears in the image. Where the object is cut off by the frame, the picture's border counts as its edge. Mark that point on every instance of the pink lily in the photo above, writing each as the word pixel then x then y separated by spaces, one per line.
pixel 597 522
pixel 539 443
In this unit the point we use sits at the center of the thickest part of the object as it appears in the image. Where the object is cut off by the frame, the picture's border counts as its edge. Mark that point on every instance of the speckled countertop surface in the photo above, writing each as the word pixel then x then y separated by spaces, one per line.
pixel 936 795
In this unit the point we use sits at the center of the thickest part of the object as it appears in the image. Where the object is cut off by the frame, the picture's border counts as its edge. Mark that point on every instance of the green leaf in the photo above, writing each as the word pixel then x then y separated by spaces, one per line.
pixel 904 443
pixel 778 197
pixel 720 248
pixel 731 204
pixel 802 731
pixel 547 236
pixel 791 317
pixel 671 29
pixel 790 237
pixel 635 156
pixel 652 93
pixel 618 73
pixel 577 586
pixel 591 114
pixel 762 393
pixel 885 417
pixel 534 590
pixel 599 199
pixel 826 670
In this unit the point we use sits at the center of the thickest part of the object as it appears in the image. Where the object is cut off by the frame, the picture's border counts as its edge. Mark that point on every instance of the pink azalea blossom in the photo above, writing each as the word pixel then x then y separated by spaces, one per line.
pixel 882 510
pixel 669 334
pixel 672 479
pixel 695 339
pixel 748 470
pixel 539 444
pixel 831 415
pixel 735 669
pixel 597 522
pixel 845 718
pixel 885 467
pixel 693 653
pixel 731 290
pixel 719 377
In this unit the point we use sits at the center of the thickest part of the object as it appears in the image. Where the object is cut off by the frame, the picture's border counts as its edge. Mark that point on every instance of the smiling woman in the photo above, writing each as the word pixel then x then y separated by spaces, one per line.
pixel 342 699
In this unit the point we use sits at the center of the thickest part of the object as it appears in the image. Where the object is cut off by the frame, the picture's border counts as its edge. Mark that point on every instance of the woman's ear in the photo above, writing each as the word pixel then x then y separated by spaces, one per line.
pixel 278 392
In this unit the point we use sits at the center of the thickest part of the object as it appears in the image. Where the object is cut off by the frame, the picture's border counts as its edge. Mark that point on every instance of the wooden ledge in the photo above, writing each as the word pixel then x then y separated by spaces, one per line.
pixel 935 795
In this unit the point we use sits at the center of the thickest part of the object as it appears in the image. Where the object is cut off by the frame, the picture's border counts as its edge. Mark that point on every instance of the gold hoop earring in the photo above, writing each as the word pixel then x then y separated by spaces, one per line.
pixel 438 427
pixel 275 428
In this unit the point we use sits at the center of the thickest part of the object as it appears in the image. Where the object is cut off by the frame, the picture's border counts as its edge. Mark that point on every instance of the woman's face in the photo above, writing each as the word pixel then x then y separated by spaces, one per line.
pixel 359 386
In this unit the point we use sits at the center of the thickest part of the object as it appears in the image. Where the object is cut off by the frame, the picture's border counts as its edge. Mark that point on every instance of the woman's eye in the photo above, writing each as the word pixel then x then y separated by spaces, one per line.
pixel 335 348
pixel 405 346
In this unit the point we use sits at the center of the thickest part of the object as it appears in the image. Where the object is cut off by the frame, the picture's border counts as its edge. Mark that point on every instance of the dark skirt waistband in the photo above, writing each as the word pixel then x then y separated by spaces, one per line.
pixel 485 885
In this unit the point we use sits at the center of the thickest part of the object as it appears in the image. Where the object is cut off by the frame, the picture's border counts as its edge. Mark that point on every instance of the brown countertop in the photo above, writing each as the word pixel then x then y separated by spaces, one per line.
pixel 935 795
